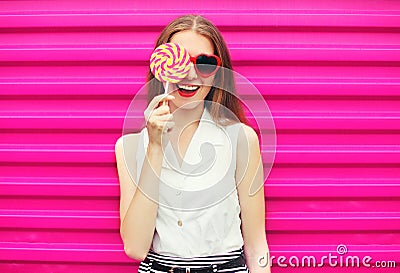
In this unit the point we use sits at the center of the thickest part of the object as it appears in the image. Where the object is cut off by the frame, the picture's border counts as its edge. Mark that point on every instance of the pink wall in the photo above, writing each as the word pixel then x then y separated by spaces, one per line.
pixel 329 70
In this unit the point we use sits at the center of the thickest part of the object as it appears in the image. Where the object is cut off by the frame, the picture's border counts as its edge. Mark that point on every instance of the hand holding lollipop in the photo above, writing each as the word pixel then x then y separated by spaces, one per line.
pixel 170 63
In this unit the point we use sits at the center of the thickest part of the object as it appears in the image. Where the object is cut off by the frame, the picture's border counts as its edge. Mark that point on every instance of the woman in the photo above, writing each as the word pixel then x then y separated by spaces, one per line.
pixel 186 232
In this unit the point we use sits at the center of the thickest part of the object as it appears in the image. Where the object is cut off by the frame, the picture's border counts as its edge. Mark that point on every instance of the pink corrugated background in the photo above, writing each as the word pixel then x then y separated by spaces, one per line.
pixel 329 71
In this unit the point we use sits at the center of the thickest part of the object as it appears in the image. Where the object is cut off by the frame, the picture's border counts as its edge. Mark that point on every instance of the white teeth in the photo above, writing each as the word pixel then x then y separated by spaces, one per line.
pixel 188 87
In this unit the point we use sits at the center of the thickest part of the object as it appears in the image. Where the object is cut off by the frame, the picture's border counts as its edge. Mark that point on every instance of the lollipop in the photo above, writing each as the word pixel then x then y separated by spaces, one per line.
pixel 170 63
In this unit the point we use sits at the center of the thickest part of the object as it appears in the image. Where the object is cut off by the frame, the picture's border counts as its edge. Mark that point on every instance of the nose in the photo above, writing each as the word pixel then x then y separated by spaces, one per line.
pixel 192 72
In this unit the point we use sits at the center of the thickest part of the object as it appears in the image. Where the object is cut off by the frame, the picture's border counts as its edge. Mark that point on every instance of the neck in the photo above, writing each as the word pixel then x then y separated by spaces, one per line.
pixel 186 117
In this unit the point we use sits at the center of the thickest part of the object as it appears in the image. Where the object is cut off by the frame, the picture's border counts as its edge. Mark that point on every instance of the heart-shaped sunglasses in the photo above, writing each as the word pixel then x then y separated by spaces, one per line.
pixel 206 65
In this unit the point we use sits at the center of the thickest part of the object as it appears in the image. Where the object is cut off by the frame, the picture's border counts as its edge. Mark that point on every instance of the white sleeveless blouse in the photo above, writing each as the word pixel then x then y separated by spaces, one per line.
pixel 198 212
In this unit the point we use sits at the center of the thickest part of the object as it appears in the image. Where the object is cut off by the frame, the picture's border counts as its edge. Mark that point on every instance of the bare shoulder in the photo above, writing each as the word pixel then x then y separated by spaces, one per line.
pixel 127 142
pixel 247 135
pixel 126 148
pixel 125 154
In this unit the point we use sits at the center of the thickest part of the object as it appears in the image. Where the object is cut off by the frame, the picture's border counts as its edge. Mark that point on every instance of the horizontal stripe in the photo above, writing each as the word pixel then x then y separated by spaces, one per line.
pixel 110 52
pixel 144 268
pixel 54 87
pixel 220 258
pixel 264 18
pixel 285 154
pixel 194 262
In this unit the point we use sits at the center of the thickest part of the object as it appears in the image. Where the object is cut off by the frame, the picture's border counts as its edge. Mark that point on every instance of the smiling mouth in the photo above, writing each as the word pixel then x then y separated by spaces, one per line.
pixel 187 90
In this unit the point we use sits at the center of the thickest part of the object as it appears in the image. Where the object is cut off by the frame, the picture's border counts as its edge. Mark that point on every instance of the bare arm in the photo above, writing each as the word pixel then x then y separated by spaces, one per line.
pixel 138 208
pixel 249 175
pixel 137 211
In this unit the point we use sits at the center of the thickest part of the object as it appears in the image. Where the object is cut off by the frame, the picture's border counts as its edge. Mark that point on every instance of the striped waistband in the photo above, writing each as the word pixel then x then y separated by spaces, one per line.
pixel 195 261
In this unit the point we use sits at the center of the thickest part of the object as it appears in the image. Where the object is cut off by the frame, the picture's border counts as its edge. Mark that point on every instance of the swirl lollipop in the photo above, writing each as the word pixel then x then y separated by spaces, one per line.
pixel 170 63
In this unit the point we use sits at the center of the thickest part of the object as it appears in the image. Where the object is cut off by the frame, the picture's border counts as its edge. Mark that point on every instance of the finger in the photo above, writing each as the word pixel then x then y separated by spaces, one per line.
pixel 162 125
pixel 163 118
pixel 156 120
pixel 162 110
pixel 157 99
pixel 168 126
pixel 167 117
pixel 165 100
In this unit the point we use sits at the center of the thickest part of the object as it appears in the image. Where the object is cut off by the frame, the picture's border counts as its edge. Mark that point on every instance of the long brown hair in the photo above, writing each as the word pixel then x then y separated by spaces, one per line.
pixel 225 96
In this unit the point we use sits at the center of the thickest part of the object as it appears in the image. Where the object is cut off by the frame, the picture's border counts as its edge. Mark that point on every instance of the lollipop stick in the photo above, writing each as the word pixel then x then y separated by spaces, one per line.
pixel 166 91
pixel 166 88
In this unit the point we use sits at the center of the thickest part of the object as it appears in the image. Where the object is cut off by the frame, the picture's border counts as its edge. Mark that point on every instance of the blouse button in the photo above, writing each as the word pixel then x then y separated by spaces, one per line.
pixel 180 223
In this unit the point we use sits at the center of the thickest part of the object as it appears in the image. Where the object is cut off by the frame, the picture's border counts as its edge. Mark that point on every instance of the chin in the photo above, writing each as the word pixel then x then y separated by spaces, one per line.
pixel 187 104
pixel 184 101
